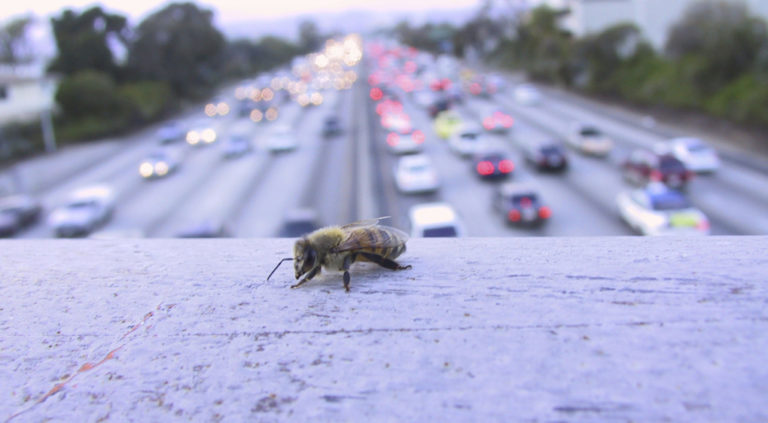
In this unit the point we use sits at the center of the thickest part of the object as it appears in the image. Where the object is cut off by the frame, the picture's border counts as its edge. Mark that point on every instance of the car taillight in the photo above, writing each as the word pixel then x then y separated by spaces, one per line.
pixel 506 166
pixel 545 212
pixel 376 93
pixel 526 202
pixel 485 168
pixel 513 215
pixel 656 176
pixel 488 123
pixel 703 225
pixel 418 137
pixel 475 88
pixel 393 139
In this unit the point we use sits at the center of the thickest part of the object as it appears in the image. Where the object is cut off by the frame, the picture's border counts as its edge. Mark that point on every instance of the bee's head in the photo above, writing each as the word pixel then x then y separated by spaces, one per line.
pixel 304 257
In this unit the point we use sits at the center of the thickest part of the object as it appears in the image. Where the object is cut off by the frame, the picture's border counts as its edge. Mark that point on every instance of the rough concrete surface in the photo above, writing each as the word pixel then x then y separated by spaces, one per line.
pixel 576 329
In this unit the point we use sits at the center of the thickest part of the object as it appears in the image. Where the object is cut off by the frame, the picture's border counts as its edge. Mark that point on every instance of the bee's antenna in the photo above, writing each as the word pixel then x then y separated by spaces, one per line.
pixel 278 265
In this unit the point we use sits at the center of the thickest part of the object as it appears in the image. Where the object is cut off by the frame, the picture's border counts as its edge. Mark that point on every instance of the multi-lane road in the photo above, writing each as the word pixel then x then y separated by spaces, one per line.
pixel 350 176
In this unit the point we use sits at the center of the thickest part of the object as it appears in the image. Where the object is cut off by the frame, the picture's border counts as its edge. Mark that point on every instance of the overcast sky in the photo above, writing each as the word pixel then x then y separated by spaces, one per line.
pixel 229 10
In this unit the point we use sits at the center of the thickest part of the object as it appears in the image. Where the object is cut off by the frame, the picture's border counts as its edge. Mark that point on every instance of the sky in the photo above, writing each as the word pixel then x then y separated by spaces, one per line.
pixel 230 10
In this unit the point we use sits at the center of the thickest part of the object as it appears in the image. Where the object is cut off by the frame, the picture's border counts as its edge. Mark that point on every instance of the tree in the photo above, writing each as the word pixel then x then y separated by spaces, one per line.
pixel 14 46
pixel 178 45
pixel 309 37
pixel 83 41
pixel 725 35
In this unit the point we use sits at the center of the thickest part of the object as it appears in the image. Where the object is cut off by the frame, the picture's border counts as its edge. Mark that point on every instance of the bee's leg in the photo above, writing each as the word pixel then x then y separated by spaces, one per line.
pixel 384 262
pixel 348 260
pixel 311 274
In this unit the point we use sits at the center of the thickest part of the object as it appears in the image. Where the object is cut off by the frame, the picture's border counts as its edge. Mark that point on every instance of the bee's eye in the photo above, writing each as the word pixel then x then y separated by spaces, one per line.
pixel 311 257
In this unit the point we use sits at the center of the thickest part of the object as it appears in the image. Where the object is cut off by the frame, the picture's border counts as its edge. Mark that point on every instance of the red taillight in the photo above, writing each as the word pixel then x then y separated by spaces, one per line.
pixel 703 225
pixel 418 137
pixel 506 166
pixel 545 212
pixel 475 88
pixel 485 168
pixel 488 123
pixel 656 176
pixel 376 93
pixel 526 202
pixel 513 215
pixel 393 139
pixel 507 122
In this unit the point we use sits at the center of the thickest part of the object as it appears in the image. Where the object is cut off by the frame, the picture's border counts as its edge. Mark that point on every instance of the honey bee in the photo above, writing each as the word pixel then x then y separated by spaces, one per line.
pixel 337 247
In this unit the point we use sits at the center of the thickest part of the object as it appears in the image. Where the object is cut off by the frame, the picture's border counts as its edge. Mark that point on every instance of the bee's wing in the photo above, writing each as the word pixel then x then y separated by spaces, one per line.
pixel 368 237
pixel 363 223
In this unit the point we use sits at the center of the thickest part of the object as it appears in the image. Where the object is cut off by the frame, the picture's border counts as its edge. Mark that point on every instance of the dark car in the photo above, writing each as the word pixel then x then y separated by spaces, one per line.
pixel 205 229
pixel 17 212
pixel 546 155
pixel 493 165
pixel 520 205
pixel 440 105
pixel 643 166
pixel 298 223
pixel 331 127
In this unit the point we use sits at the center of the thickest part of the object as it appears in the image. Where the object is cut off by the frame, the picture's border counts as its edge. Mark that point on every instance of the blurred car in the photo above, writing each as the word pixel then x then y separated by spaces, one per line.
pixel 642 167
pixel 439 105
pixel 86 210
pixel 467 141
pixel 158 164
pixel 694 153
pixel 298 222
pixel 17 212
pixel 498 121
pixel 331 126
pixel 209 228
pixel 435 220
pixel 280 138
pixel 396 122
pixel 527 95
pixel 416 174
pixel 588 139
pixel 546 155
pixel 407 143
pixel 493 165
pixel 201 134
pixel 170 133
pixel 447 123
pixel 520 204
pixel 659 210
pixel 236 145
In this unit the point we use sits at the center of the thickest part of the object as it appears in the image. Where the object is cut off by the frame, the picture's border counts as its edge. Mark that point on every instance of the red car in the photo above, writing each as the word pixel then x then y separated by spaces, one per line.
pixel 643 166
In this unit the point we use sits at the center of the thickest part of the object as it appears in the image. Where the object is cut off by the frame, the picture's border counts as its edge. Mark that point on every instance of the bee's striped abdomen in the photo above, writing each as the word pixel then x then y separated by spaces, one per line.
pixel 380 241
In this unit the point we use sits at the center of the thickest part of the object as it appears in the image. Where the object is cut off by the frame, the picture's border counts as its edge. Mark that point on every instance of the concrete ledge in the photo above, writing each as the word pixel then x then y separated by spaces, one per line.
pixel 573 329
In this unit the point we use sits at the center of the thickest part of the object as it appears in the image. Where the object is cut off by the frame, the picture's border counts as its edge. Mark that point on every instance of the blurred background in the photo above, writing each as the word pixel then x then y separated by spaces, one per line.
pixel 468 118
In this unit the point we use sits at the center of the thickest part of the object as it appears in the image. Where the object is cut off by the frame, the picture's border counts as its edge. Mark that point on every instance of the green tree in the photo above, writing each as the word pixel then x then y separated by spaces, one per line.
pixel 181 46
pixel 14 45
pixel 725 35
pixel 83 41
pixel 310 39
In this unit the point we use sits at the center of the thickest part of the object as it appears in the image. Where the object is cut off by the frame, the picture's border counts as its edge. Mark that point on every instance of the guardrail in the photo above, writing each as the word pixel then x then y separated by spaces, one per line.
pixel 584 329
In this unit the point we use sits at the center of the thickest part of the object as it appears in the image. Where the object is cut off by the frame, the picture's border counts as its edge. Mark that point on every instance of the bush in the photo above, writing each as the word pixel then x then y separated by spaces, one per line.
pixel 744 100
pixel 89 94
pixel 147 100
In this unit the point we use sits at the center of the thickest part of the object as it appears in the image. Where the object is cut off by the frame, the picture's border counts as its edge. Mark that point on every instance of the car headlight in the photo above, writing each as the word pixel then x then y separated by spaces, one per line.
pixel 146 169
pixel 161 168
pixel 193 137
pixel 209 135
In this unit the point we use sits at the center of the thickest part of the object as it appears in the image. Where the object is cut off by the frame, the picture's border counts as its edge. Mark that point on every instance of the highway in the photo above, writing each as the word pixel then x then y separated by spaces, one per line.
pixel 350 176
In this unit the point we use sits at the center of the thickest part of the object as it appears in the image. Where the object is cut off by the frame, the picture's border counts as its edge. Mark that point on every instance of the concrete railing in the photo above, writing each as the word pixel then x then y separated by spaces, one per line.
pixel 572 329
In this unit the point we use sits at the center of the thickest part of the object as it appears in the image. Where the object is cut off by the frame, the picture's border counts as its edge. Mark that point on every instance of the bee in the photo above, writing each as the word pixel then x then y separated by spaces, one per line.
pixel 337 247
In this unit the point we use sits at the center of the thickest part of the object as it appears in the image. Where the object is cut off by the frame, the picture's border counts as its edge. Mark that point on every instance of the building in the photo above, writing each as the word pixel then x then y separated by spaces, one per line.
pixel 653 17
pixel 24 94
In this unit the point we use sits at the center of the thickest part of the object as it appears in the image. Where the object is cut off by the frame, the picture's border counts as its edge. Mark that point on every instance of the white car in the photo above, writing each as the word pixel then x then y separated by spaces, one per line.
pixel 694 153
pixel 415 173
pixel 468 141
pixel 202 133
pixel 281 138
pixel 527 95
pixel 407 143
pixel 435 220
pixel 158 164
pixel 659 210
pixel 85 211
pixel 170 133
pixel 588 139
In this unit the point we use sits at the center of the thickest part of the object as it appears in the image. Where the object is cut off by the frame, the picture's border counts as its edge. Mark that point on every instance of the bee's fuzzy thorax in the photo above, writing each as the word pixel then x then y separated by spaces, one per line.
pixel 326 239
